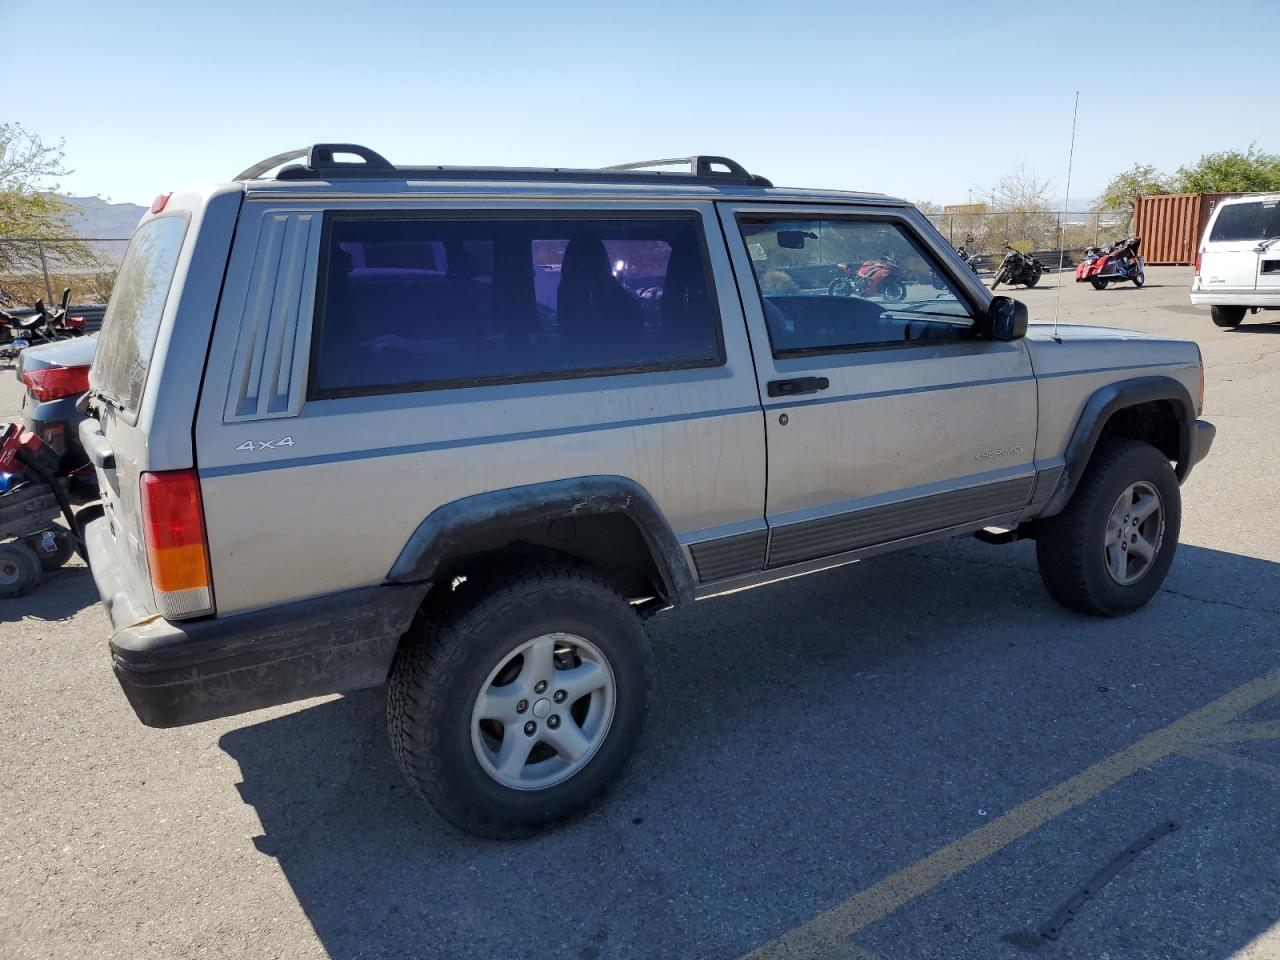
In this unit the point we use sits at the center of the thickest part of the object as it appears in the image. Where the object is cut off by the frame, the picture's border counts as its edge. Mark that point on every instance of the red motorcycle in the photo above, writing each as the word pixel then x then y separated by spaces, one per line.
pixel 881 278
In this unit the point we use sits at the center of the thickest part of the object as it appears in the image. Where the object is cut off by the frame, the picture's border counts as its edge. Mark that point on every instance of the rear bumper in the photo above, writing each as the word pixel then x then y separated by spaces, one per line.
pixel 180 673
pixel 1269 299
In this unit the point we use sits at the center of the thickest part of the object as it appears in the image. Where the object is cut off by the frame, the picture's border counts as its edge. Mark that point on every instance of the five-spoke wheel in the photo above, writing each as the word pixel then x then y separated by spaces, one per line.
pixel 1135 531
pixel 543 712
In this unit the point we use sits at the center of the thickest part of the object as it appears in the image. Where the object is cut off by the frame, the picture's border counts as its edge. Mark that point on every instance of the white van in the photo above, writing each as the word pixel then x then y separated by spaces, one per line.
pixel 1238 263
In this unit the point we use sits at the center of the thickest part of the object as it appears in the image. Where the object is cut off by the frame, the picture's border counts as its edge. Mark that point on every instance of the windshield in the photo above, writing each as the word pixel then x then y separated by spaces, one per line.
pixel 1247 221
pixel 132 319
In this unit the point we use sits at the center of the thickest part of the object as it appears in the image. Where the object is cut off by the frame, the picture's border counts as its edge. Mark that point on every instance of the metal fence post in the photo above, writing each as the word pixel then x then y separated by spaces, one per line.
pixel 44 267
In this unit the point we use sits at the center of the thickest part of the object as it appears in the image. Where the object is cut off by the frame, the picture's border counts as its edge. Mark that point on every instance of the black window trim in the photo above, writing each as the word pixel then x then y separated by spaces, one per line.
pixel 330 217
pixel 878 216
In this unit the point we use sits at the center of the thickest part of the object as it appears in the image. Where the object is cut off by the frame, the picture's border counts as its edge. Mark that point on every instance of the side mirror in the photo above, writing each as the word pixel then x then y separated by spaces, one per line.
pixel 1006 319
pixel 794 239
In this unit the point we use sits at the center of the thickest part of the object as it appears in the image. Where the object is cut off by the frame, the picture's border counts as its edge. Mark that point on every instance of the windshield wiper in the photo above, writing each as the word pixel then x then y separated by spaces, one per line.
pixel 97 393
pixel 1265 245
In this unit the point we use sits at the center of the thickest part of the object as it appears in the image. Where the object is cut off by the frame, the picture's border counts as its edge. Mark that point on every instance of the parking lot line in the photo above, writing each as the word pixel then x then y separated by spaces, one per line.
pixel 828 933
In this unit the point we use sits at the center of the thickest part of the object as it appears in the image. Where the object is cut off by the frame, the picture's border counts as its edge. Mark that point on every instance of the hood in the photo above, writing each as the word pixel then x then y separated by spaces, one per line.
pixel 1080 331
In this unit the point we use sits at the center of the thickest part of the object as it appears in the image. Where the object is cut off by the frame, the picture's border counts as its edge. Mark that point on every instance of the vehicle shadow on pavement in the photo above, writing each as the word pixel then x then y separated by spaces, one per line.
pixel 59 596
pixel 809 740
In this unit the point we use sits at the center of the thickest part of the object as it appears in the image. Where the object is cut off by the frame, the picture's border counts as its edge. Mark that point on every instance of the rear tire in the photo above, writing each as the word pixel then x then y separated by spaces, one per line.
pixel 1098 284
pixel 1227 316
pixel 894 291
pixel 512 641
pixel 1033 277
pixel 1079 551
pixel 19 569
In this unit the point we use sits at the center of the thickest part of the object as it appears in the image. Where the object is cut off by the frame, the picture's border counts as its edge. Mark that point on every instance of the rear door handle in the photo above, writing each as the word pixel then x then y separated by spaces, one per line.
pixel 797 386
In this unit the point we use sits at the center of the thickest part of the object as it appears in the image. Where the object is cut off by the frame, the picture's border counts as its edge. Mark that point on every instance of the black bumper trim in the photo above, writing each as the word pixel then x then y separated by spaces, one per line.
pixel 180 673
pixel 1201 440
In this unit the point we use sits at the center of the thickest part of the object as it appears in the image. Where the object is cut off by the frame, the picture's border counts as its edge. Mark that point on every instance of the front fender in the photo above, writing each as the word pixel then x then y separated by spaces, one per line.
pixel 1098 410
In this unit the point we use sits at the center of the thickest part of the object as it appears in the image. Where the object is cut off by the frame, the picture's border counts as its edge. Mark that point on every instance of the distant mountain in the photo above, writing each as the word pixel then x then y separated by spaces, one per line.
pixel 96 219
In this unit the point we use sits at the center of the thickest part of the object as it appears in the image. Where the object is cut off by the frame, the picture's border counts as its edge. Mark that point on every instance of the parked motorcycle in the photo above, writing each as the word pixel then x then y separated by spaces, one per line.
pixel 45 325
pixel 881 277
pixel 1118 262
pixel 970 257
pixel 1018 268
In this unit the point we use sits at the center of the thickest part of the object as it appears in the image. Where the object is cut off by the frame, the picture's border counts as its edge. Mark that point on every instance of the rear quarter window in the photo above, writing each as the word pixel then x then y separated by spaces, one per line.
pixel 1246 221
pixel 132 319
pixel 428 303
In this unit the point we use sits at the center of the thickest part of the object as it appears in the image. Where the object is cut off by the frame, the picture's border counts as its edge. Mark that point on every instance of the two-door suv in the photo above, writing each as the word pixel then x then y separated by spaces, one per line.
pixel 460 431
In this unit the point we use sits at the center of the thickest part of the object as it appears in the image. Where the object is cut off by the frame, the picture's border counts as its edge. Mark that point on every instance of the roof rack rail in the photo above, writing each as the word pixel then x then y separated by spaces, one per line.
pixel 700 165
pixel 320 163
pixel 320 159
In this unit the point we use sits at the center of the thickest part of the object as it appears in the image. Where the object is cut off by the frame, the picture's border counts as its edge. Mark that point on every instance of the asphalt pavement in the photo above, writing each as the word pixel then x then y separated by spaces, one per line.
pixel 919 756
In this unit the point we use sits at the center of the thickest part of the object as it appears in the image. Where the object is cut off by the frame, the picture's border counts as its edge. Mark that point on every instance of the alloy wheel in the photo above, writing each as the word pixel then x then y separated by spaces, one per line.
pixel 543 711
pixel 1135 532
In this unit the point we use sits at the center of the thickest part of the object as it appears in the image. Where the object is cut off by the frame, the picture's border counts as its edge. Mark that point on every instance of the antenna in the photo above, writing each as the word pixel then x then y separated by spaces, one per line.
pixel 1066 205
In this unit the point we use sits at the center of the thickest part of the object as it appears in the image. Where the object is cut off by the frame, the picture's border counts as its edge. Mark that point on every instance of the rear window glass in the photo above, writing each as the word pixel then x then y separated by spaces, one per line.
pixel 132 318
pixel 1247 221
pixel 424 303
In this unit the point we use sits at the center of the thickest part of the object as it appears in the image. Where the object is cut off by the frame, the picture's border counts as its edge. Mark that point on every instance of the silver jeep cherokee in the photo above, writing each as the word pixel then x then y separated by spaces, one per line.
pixel 460 431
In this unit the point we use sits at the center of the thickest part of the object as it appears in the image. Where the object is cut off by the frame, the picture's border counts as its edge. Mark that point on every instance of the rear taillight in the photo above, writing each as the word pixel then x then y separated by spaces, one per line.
pixel 1198 256
pixel 73 321
pixel 177 551
pixel 54 383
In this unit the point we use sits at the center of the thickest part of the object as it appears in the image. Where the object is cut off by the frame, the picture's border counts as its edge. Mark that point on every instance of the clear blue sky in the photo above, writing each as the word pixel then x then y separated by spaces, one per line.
pixel 922 99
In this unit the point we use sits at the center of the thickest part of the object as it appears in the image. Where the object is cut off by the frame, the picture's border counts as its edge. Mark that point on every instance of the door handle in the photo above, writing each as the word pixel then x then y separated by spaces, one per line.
pixel 797 386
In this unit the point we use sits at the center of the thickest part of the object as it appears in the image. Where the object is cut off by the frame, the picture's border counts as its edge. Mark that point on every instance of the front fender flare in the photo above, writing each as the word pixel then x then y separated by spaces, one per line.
pixel 448 527
pixel 1099 408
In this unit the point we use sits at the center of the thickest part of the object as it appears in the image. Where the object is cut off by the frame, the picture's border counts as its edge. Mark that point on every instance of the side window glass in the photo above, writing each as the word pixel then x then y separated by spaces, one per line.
pixel 425 303
pixel 830 285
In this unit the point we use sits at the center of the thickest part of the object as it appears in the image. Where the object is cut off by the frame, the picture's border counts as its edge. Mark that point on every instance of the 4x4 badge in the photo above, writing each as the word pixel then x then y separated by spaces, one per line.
pixel 255 445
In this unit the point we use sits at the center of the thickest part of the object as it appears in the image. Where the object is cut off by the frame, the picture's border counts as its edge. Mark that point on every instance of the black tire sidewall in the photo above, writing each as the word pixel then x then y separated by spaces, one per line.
pixel 459 787
pixel 28 568
pixel 1084 524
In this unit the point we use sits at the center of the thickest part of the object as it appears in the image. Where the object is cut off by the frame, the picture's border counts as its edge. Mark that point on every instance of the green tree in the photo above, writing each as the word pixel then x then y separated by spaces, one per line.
pixel 1231 171
pixel 1140 180
pixel 29 204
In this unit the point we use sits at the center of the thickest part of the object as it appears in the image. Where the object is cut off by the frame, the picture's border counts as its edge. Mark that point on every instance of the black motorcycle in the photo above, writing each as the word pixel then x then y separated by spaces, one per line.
pixel 1018 268
pixel 970 257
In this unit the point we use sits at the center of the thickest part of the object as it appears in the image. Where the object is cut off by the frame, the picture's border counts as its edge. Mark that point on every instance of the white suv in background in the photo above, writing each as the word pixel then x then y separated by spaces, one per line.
pixel 1238 263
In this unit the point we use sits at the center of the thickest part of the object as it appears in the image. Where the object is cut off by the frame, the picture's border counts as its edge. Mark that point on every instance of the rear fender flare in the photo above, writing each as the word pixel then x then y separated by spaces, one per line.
pixel 448 528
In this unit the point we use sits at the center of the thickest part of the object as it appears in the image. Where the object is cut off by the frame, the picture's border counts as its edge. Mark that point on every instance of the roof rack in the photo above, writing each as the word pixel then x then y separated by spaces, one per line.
pixel 321 163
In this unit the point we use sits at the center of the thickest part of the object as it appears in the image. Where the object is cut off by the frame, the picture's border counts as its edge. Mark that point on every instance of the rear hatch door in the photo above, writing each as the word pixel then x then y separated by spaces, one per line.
pixel 145 377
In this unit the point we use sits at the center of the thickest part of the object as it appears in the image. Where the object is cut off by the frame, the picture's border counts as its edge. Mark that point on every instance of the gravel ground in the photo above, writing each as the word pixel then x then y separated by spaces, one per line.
pixel 807 741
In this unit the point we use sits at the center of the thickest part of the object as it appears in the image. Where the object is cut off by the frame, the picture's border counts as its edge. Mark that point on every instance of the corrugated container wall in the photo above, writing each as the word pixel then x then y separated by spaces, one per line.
pixel 1170 224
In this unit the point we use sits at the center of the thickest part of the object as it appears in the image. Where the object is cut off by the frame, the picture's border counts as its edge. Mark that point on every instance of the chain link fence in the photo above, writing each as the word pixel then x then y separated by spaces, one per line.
pixel 40 267
pixel 1041 232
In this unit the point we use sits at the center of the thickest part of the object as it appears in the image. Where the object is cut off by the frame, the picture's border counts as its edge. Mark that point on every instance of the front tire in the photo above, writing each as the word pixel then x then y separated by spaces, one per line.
pixel 1139 279
pixel 1227 317
pixel 1109 551
pixel 517 708
pixel 997 279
